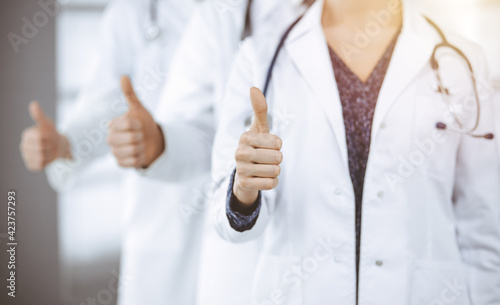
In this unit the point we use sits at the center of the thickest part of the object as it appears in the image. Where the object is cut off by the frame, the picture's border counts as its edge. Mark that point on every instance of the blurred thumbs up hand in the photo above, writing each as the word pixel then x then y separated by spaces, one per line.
pixel 135 138
pixel 41 143
pixel 258 155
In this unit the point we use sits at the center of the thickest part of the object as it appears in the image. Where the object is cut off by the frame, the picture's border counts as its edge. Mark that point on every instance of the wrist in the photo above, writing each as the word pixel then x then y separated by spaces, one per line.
pixel 64 149
pixel 156 146
pixel 246 198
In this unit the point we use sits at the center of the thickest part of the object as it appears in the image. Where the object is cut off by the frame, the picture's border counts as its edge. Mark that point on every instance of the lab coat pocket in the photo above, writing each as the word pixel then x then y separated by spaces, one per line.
pixel 432 150
pixel 439 283
pixel 275 281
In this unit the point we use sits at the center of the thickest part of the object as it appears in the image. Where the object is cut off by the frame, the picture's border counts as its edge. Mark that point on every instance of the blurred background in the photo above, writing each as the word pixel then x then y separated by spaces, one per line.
pixel 69 242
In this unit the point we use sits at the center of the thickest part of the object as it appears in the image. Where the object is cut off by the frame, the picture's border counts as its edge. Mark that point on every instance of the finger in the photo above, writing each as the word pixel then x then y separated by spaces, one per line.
pixel 128 150
pixel 129 92
pixel 34 163
pixel 258 170
pixel 36 150
pixel 259 105
pixel 125 123
pixel 124 138
pixel 33 145
pixel 37 113
pixel 34 167
pixel 35 136
pixel 261 140
pixel 129 161
pixel 258 183
pixel 259 156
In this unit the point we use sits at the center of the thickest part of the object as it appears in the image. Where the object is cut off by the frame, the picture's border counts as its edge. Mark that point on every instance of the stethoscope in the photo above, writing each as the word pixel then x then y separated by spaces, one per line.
pixel 153 31
pixel 435 67
pixel 445 92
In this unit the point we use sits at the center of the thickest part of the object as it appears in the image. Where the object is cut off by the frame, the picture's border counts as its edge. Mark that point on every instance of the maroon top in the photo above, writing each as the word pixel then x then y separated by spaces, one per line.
pixel 358 106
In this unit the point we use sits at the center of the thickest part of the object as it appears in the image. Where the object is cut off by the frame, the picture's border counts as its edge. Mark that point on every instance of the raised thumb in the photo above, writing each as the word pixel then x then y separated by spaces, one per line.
pixel 259 105
pixel 128 91
pixel 37 113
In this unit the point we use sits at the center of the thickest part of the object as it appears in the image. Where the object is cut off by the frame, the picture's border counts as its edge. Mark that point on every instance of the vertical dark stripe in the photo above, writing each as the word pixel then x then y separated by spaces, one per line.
pixel 247 27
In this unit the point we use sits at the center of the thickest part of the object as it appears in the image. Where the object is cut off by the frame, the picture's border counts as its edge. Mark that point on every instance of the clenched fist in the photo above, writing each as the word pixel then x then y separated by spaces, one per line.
pixel 135 138
pixel 41 143
pixel 258 155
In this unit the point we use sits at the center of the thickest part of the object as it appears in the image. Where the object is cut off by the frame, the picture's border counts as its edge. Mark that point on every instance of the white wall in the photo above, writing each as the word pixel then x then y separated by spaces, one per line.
pixel 477 20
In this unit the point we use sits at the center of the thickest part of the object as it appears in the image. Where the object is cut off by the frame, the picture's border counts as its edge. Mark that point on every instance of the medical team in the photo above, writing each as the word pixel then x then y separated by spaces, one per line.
pixel 335 184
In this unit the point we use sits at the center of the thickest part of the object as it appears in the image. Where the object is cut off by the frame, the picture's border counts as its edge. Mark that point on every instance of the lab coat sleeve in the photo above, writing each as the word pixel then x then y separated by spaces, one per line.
pixel 477 203
pixel 496 106
pixel 186 110
pixel 100 99
pixel 235 109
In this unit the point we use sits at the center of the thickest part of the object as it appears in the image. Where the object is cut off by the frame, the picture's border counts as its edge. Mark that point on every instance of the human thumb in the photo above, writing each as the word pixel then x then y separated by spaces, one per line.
pixel 128 91
pixel 37 113
pixel 259 105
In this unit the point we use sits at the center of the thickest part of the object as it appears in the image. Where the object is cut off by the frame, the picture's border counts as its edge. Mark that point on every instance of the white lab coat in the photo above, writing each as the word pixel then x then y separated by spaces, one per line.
pixel 187 114
pixel 430 232
pixel 496 104
pixel 159 248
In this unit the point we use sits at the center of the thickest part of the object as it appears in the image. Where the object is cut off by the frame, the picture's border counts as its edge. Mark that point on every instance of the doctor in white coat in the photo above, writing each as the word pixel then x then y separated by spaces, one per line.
pixel 429 232
pixel 159 249
pixel 187 114
pixel 199 79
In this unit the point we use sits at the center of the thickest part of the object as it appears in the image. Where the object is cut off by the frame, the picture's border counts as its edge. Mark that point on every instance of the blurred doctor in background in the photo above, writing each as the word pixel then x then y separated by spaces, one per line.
pixel 159 250
pixel 186 114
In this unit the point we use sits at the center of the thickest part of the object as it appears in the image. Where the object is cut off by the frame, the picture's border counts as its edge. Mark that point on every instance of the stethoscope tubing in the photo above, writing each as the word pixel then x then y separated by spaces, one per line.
pixel 434 65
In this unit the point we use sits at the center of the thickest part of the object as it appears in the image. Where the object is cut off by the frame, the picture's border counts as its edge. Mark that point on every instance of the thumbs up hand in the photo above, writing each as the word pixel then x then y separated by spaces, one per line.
pixel 41 143
pixel 135 138
pixel 258 155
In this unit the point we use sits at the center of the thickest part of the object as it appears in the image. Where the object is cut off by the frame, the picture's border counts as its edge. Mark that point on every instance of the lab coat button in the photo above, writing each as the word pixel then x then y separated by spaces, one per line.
pixel 338 191
pixel 379 263
pixel 380 194
pixel 337 259
pixel 382 125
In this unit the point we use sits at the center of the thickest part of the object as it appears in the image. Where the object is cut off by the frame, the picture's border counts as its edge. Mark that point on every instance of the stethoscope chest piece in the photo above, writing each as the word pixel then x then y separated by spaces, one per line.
pixel 152 32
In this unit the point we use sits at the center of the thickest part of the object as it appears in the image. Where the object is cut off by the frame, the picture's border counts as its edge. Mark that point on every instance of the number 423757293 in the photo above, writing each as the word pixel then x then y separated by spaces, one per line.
pixel 11 213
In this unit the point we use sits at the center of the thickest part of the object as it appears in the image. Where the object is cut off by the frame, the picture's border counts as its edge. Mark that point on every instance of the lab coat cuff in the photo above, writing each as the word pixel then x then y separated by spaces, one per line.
pixel 61 172
pixel 240 221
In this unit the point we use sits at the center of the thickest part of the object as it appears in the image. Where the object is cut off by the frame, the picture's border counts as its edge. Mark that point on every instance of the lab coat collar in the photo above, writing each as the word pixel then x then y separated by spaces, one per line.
pixel 411 54
pixel 308 49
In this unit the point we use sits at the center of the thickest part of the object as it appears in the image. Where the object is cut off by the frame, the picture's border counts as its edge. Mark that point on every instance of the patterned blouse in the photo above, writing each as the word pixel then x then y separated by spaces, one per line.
pixel 358 100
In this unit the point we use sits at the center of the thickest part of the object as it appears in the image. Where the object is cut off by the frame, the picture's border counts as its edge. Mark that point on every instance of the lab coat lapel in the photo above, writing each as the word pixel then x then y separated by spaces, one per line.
pixel 411 54
pixel 308 50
